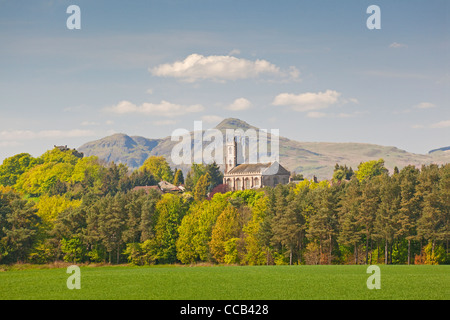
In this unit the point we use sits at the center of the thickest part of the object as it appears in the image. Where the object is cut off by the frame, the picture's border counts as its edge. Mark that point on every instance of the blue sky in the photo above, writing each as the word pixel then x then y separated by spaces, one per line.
pixel 311 69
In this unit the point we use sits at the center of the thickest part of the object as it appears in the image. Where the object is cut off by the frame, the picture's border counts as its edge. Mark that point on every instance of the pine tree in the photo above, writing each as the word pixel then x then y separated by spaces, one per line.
pixel 19 227
pixel 386 223
pixel 432 224
pixel 409 206
pixel 349 222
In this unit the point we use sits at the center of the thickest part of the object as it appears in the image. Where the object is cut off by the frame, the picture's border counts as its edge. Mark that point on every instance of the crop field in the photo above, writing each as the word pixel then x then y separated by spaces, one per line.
pixel 228 283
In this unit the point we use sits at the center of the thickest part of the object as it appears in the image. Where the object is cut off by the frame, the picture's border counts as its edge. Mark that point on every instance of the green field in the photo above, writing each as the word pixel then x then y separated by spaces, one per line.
pixel 228 283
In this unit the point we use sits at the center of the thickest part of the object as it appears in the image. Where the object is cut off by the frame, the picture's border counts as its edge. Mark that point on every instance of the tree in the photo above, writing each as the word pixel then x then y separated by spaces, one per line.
pixel 255 250
pixel 196 229
pixel 342 173
pixel 409 210
pixel 323 222
pixel 159 168
pixel 216 176
pixel 433 222
pixel 178 179
pixel 201 188
pixel 49 208
pixel 226 228
pixel 369 206
pixel 170 210
pixel 18 226
pixel 349 221
pixel 386 223
pixel 369 169
pixel 287 225
pixel 13 167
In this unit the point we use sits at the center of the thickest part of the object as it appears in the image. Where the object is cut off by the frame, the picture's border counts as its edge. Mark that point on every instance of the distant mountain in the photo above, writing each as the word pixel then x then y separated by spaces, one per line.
pixel 440 149
pixel 120 148
pixel 308 158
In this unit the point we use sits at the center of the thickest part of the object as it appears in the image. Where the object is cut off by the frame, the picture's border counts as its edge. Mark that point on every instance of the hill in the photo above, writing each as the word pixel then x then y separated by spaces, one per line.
pixel 308 158
pixel 440 149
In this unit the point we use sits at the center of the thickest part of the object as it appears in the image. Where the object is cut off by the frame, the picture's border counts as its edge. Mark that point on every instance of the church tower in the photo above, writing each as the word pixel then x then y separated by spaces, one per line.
pixel 231 155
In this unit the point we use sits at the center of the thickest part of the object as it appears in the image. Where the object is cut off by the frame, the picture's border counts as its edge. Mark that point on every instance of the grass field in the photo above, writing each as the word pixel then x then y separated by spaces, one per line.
pixel 228 283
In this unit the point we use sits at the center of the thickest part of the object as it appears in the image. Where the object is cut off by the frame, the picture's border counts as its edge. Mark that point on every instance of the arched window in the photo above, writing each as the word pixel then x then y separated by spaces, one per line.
pixel 247 183
pixel 238 184
pixel 256 182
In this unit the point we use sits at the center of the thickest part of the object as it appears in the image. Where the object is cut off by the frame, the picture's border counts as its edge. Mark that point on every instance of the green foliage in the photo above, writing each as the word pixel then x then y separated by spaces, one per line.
pixel 199 170
pixel 370 169
pixel 434 254
pixel 19 224
pixel 178 178
pixel 226 228
pixel 170 210
pixel 342 173
pixel 13 167
pixel 73 249
pixel 158 167
pixel 81 210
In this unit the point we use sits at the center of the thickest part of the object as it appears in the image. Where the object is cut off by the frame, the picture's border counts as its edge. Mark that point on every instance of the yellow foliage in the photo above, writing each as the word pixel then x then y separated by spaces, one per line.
pixel 50 207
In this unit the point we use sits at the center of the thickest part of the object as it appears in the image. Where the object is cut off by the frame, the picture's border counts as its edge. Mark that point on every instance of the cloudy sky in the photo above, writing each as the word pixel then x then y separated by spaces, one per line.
pixel 311 69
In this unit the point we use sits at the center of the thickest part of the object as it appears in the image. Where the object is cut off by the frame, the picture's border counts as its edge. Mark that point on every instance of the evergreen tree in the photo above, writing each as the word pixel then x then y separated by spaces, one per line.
pixel 432 225
pixel 202 187
pixel 178 178
pixel 386 223
pixel 19 227
pixel 409 206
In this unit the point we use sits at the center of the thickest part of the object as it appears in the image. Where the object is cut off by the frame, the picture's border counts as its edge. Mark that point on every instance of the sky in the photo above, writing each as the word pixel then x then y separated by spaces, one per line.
pixel 312 69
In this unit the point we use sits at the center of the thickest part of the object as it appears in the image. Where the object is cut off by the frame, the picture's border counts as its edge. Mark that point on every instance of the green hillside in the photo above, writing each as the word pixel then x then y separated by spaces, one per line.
pixel 308 158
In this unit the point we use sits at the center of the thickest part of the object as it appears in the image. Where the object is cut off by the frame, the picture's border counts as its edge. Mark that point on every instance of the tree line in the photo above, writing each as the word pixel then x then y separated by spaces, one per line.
pixel 61 206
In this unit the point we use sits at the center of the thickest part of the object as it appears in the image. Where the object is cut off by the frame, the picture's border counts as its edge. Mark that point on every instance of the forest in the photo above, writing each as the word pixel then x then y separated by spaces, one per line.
pixel 62 206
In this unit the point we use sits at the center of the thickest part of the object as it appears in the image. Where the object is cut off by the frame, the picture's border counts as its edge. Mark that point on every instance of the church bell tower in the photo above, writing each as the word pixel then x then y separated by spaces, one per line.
pixel 231 155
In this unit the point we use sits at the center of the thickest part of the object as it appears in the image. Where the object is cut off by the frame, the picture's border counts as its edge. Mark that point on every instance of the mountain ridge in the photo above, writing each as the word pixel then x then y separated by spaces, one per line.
pixel 309 158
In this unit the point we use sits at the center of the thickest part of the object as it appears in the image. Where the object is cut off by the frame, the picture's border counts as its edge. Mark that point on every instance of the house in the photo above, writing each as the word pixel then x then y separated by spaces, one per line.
pixel 147 188
pixel 162 187
pixel 251 175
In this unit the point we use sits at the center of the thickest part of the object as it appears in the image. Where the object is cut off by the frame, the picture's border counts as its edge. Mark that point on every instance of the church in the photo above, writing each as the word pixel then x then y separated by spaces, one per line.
pixel 251 175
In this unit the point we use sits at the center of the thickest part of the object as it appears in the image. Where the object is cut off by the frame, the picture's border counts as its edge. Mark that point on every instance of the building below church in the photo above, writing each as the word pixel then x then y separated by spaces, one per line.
pixel 251 175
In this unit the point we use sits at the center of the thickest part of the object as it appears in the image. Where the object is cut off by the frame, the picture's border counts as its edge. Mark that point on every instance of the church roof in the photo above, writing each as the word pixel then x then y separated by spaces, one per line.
pixel 261 168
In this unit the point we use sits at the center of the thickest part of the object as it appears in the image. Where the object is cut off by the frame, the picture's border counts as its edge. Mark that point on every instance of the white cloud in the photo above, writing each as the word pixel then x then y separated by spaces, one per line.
pixel 219 68
pixel 397 45
pixel 441 124
pixel 89 123
pixel 437 125
pixel 164 108
pixel 424 105
pixel 316 114
pixel 342 115
pixel 164 122
pixel 5 144
pixel 307 101
pixel 15 135
pixel 234 52
pixel 212 119
pixel 240 104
